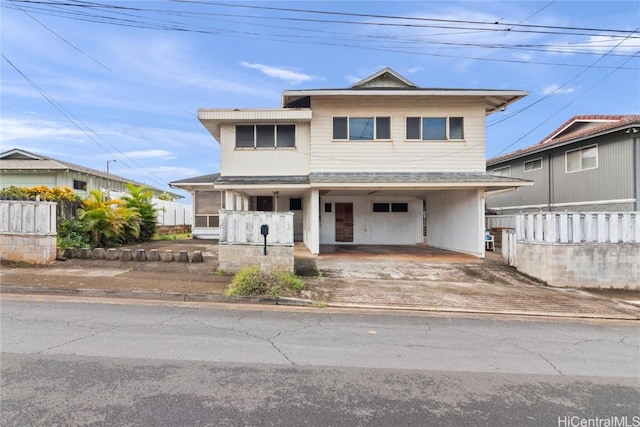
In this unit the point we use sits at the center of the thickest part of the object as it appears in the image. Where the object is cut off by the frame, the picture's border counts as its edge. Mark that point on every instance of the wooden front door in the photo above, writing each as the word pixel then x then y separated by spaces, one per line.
pixel 344 222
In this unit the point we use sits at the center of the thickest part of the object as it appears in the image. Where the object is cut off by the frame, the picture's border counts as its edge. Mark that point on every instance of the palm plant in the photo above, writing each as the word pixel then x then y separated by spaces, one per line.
pixel 108 220
pixel 139 198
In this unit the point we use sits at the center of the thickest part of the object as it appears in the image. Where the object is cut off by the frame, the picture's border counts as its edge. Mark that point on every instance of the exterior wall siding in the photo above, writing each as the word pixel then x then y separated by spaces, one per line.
pixel 398 154
pixel 612 180
pixel 391 228
pixel 264 161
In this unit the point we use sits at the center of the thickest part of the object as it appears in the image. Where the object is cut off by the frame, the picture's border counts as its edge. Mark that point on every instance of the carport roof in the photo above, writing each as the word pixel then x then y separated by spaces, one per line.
pixel 415 180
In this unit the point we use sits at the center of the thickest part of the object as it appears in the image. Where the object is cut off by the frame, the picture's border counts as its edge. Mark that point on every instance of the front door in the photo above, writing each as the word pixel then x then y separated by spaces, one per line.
pixel 344 222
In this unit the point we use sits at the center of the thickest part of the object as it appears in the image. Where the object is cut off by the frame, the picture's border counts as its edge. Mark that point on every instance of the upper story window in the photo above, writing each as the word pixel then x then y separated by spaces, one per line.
pixel 582 159
pixel 361 128
pixel 435 128
pixel 503 171
pixel 265 136
pixel 533 165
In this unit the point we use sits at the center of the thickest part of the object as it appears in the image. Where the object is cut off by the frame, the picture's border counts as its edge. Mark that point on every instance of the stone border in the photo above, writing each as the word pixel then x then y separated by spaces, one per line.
pixel 129 255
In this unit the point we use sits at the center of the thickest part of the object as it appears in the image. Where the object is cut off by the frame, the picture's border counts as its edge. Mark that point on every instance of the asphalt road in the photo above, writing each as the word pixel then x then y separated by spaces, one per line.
pixel 76 363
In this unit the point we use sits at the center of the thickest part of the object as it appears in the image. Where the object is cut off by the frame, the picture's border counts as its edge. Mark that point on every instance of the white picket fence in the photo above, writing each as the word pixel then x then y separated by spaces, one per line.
pixel 26 217
pixel 243 227
pixel 579 227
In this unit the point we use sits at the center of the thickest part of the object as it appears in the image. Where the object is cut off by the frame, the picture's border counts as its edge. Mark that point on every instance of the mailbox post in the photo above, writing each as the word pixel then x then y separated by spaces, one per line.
pixel 264 230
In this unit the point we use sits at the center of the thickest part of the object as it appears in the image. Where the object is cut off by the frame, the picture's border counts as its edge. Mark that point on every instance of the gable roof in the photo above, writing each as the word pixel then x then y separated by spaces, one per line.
pixel 385 78
pixel 575 129
pixel 388 82
pixel 18 159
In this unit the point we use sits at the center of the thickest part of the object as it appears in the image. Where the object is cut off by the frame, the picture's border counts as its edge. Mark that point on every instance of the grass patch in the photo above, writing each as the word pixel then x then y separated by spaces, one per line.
pixel 165 237
pixel 252 281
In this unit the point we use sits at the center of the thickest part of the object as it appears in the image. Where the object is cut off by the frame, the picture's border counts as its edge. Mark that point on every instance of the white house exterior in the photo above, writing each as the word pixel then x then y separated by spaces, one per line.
pixel 381 162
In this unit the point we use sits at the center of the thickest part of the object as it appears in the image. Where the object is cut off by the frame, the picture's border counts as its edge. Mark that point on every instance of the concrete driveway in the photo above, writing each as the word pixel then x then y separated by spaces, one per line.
pixel 385 277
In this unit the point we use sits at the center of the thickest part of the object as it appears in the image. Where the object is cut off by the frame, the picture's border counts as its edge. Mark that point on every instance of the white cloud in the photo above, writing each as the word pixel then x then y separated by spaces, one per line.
pixel 600 45
pixel 524 57
pixel 150 154
pixel 556 90
pixel 15 130
pixel 280 73
pixel 414 70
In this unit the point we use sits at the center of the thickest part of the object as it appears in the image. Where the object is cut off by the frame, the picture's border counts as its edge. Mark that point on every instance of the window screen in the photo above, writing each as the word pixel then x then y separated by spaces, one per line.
pixel 456 128
pixel 265 136
pixel 383 127
pixel 413 128
pixel 286 135
pixel 340 128
pixel 244 136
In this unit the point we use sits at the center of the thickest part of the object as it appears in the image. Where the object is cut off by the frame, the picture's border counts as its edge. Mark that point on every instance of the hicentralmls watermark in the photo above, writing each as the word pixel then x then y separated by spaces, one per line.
pixel 612 421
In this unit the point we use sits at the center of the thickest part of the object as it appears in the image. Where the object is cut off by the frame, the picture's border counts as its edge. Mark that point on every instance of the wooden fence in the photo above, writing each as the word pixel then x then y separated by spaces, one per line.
pixel 579 227
pixel 243 227
pixel 27 217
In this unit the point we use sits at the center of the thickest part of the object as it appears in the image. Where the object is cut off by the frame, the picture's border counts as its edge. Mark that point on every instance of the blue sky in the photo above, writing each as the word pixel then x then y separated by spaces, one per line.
pixel 123 80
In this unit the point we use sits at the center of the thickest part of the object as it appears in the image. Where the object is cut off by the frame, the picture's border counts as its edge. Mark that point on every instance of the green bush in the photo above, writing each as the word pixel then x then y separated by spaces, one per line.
pixel 72 234
pixel 252 281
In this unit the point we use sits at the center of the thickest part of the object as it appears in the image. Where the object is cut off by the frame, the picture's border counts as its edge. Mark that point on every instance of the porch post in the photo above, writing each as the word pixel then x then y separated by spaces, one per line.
pixel 229 201
pixel 314 229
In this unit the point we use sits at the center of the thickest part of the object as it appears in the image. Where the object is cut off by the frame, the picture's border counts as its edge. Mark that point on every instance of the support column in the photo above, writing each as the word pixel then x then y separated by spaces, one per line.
pixel 314 229
pixel 229 199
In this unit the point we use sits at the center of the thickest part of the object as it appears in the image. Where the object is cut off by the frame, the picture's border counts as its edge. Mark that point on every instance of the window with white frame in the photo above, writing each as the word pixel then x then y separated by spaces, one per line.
pixel 582 159
pixel 361 128
pixel 503 171
pixel 532 165
pixel 435 128
pixel 265 136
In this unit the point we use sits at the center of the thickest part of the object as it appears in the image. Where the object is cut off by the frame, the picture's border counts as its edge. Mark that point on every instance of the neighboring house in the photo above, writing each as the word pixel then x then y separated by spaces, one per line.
pixel 21 168
pixel 590 163
pixel 381 162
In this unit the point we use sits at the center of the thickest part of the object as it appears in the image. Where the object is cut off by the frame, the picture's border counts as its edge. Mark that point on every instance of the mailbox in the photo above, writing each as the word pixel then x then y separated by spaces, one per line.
pixel 264 230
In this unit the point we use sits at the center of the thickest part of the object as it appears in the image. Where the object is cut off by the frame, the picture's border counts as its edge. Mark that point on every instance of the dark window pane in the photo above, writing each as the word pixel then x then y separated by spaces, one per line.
pixel 383 127
pixel 214 221
pixel 295 204
pixel 264 203
pixel 265 136
pixel 456 128
pixel 244 136
pixel 413 127
pixel 286 135
pixel 434 128
pixel 327 207
pixel 339 128
pixel 201 221
pixel 79 185
pixel 381 207
pixel 360 128
pixel 399 207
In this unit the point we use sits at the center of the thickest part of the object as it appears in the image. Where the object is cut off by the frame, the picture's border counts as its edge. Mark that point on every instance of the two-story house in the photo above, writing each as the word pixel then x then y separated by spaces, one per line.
pixel 382 162
pixel 590 163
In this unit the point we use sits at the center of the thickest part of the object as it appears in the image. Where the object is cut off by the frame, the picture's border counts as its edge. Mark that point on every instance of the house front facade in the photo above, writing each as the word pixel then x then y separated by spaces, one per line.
pixel 381 162
pixel 590 163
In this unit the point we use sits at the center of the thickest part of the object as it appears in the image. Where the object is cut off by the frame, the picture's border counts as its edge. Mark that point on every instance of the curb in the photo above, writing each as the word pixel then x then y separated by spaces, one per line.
pixel 285 301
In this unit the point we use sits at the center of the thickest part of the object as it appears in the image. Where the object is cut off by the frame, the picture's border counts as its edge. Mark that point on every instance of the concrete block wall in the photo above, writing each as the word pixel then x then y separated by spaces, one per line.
pixel 234 257
pixel 613 266
pixel 33 248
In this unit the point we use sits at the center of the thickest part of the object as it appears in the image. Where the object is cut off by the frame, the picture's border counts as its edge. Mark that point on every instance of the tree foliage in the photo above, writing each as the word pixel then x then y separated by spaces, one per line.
pixel 139 199
pixel 109 221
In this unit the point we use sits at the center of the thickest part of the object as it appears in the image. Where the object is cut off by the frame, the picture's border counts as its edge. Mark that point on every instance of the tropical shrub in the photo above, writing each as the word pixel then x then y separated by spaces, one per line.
pixel 139 199
pixel 108 221
pixel 71 234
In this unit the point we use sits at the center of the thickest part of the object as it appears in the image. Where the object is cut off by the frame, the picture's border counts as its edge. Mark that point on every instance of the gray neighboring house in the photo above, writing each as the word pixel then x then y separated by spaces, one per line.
pixel 22 168
pixel 206 202
pixel 590 163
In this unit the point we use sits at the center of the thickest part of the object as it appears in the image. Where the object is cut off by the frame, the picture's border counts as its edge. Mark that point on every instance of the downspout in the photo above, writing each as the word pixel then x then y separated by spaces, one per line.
pixel 549 177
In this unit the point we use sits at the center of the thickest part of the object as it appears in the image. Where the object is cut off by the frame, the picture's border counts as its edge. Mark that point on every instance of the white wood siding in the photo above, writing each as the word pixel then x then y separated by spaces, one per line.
pixel 380 228
pixel 264 161
pixel 397 154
